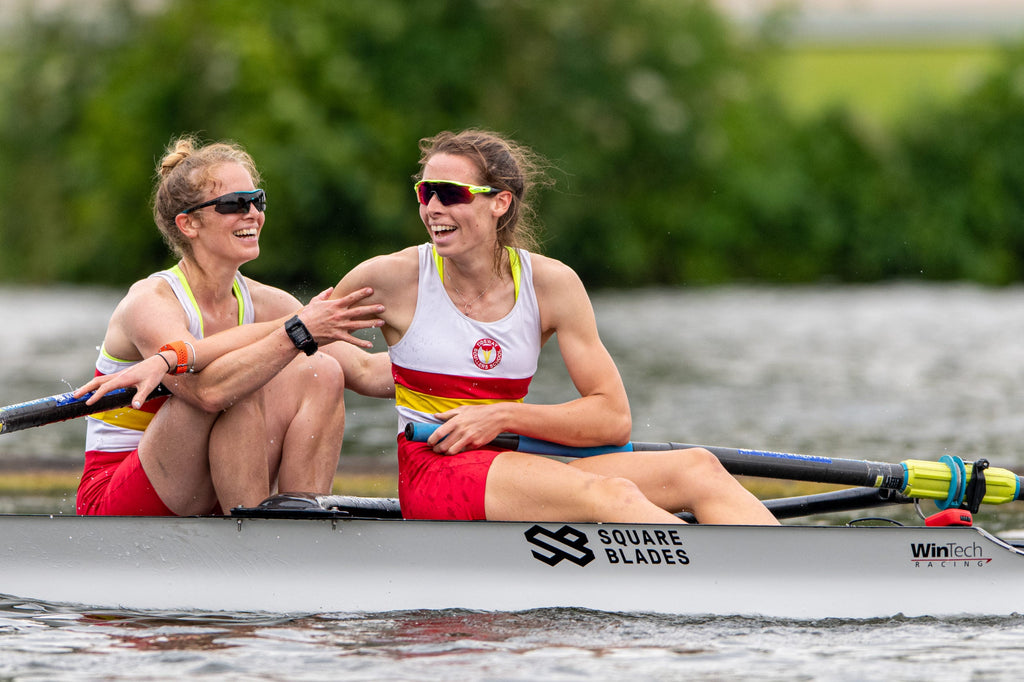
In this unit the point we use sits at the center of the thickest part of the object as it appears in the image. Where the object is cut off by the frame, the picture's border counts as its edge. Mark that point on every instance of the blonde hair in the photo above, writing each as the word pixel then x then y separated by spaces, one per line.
pixel 183 176
pixel 503 165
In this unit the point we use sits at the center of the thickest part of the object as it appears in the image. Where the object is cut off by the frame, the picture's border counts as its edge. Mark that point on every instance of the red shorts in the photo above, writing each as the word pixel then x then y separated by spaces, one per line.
pixel 114 484
pixel 450 487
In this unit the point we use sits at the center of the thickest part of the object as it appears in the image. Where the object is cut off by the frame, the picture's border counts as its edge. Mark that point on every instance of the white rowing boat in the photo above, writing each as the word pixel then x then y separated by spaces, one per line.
pixel 316 561
pixel 299 554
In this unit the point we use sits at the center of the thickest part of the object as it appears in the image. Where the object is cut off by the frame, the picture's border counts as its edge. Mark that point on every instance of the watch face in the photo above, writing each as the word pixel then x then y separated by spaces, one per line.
pixel 300 336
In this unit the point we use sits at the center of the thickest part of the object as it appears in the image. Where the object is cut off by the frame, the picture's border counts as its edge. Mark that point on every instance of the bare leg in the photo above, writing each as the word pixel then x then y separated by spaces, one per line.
pixel 680 480
pixel 523 487
pixel 238 445
pixel 174 455
pixel 312 440
pixel 286 436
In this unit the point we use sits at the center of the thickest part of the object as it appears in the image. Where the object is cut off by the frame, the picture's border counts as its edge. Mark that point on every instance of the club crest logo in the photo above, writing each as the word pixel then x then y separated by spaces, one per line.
pixel 486 354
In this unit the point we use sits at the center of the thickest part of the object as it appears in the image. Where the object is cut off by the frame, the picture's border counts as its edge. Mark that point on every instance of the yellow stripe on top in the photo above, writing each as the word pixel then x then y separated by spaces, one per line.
pixel 126 418
pixel 513 261
pixel 432 404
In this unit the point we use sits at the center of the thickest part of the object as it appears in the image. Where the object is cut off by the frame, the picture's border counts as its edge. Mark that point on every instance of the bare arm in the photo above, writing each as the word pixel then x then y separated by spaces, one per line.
pixel 367 374
pixel 600 416
pixel 393 280
pixel 235 362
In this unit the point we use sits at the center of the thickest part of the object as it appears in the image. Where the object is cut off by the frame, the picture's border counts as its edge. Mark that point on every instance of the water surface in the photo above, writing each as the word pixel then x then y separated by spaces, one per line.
pixel 885 372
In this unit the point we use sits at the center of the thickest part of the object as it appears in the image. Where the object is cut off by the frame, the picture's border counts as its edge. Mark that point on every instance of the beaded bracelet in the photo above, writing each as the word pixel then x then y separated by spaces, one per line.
pixel 181 351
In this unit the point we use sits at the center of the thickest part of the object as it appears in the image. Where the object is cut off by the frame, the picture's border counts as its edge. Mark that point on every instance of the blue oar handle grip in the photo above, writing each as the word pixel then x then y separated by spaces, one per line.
pixel 420 432
pixel 544 447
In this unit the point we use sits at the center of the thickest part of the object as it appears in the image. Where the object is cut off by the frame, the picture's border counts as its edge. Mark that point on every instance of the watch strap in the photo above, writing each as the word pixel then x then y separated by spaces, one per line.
pixel 300 335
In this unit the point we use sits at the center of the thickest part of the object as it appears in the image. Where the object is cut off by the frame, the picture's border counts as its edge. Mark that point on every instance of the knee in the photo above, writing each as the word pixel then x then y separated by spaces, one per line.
pixel 321 377
pixel 699 462
pixel 327 368
pixel 612 491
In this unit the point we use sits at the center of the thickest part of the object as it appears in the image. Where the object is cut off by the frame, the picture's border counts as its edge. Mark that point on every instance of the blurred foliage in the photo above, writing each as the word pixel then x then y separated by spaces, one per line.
pixel 674 160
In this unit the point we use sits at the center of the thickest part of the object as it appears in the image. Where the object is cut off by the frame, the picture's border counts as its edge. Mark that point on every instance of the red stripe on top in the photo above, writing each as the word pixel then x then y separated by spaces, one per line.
pixel 449 386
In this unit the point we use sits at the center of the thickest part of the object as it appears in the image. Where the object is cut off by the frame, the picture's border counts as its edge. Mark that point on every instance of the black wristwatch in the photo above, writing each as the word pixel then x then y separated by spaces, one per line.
pixel 300 336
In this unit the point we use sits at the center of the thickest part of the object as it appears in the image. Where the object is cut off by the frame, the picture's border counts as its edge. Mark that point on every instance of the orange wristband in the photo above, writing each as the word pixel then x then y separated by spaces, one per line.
pixel 181 351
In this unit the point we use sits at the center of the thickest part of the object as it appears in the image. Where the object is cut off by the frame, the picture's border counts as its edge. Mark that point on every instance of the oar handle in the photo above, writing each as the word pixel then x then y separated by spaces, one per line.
pixel 64 406
pixel 420 432
pixel 913 478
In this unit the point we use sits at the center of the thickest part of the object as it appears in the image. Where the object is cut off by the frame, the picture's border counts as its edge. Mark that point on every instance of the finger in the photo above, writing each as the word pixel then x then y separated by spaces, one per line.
pixel 366 311
pixel 84 388
pixel 438 435
pixel 355 321
pixel 98 393
pixel 354 340
pixel 324 295
pixel 369 323
pixel 356 295
pixel 453 446
pixel 144 389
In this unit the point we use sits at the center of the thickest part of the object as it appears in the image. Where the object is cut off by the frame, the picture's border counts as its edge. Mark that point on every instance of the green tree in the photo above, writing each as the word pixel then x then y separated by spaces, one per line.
pixel 630 101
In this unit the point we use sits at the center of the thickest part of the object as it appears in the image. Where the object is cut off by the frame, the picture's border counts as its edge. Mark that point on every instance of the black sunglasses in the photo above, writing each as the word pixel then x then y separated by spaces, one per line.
pixel 235 202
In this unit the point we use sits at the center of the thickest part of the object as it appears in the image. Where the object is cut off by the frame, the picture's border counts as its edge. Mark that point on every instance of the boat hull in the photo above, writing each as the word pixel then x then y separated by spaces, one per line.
pixel 323 565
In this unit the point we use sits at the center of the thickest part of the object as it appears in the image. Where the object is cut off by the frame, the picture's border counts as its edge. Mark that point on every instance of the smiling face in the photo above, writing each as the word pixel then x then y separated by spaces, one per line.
pixel 233 237
pixel 459 228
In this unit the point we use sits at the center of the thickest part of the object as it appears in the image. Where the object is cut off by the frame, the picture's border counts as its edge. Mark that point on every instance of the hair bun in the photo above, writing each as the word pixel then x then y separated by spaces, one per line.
pixel 182 150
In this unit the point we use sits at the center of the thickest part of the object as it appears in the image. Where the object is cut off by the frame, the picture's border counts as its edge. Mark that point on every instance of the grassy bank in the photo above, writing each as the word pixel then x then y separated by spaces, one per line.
pixel 880 82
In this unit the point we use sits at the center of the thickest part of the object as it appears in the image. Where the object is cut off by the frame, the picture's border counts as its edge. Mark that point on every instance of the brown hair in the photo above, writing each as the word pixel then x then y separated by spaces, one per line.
pixel 503 165
pixel 182 178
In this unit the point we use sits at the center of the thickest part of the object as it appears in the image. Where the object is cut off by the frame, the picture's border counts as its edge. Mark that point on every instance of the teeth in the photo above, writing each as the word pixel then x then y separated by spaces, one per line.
pixel 443 228
pixel 245 233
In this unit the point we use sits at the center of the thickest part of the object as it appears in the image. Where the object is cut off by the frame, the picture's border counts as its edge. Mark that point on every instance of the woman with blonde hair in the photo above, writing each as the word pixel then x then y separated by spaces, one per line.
pixel 255 405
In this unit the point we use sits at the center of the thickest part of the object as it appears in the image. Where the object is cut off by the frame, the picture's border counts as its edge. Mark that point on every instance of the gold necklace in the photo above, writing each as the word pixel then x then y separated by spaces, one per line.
pixel 468 307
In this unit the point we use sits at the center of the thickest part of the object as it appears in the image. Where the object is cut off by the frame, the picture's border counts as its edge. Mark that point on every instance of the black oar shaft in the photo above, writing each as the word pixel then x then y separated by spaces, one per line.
pixel 64 406
pixel 783 465
pixel 847 499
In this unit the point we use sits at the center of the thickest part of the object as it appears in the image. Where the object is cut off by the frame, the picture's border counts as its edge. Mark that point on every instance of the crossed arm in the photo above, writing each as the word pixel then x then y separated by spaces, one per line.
pixel 239 360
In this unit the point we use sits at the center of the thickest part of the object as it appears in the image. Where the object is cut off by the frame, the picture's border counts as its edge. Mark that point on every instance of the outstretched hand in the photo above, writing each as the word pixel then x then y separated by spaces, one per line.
pixel 330 320
pixel 144 377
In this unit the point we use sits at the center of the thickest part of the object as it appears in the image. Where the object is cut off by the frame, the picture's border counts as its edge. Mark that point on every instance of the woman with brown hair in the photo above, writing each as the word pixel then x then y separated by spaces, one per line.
pixel 465 317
